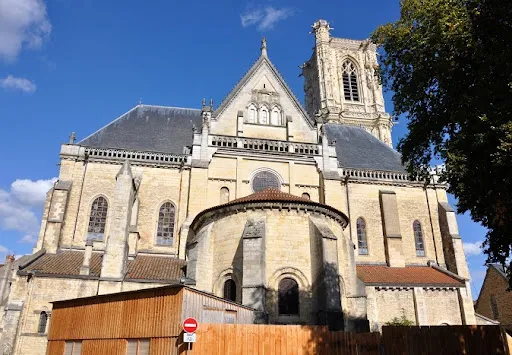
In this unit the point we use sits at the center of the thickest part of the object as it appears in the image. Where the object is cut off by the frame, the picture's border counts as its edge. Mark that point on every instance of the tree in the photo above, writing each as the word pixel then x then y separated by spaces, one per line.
pixel 449 63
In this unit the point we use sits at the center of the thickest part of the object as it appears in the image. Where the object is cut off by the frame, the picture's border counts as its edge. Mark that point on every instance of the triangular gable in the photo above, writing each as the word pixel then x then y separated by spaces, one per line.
pixel 262 60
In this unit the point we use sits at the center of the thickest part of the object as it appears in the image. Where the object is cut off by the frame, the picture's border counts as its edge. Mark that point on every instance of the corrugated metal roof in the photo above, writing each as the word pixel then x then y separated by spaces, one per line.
pixel 148 128
pixel 356 148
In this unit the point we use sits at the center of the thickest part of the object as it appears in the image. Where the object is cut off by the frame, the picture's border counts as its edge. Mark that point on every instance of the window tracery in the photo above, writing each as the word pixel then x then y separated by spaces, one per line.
pixel 97 219
pixel 165 229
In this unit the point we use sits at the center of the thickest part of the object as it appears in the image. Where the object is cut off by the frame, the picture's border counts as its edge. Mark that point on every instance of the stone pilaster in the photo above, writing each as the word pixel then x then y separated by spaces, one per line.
pixel 391 226
pixel 253 284
pixel 325 271
pixel 452 242
pixel 86 265
pixel 420 306
pixel 56 213
pixel 11 324
pixel 116 252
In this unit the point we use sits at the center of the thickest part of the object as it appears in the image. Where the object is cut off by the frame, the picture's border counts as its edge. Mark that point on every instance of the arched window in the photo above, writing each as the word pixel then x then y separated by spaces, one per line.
pixel 362 240
pixel 252 114
pixel 230 290
pixel 350 84
pixel 263 115
pixel 43 320
pixel 288 293
pixel 165 230
pixel 306 195
pixel 224 195
pixel 418 239
pixel 265 179
pixel 97 219
pixel 275 119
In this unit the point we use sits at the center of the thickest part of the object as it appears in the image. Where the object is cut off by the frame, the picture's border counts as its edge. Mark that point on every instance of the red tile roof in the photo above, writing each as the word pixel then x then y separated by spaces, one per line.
pixel 409 275
pixel 270 195
pixel 144 267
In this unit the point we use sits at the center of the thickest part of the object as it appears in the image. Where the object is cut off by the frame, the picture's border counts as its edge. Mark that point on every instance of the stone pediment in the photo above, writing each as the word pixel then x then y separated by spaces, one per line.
pixel 262 86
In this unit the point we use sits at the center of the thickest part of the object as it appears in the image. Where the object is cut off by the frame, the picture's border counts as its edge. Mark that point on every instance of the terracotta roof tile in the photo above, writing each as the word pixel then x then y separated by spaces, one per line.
pixel 270 195
pixel 66 263
pixel 410 275
pixel 144 267
pixel 155 268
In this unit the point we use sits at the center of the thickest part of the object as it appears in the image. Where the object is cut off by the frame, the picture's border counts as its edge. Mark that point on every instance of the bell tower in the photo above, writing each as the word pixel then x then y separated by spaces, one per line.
pixel 341 83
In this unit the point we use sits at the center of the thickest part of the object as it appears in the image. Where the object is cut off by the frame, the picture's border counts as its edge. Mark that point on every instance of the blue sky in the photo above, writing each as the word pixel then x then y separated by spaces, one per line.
pixel 76 65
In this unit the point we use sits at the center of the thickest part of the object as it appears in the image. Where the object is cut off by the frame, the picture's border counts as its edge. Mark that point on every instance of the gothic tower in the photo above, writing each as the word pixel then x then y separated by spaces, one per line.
pixel 341 83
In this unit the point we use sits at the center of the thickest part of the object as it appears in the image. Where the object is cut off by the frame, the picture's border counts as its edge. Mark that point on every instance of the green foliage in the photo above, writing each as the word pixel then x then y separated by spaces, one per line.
pixel 449 63
pixel 403 321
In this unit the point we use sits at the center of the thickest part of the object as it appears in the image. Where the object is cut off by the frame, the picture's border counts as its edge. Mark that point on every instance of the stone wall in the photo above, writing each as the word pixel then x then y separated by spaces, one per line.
pixel 495 287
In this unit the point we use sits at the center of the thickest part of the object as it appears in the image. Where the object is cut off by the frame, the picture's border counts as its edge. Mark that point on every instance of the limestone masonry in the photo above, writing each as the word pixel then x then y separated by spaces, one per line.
pixel 304 213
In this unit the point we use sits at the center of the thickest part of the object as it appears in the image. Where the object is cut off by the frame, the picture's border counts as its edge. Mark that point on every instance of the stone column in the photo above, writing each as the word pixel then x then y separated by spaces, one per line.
pixel 253 284
pixel 391 226
pixel 56 213
pixel 116 251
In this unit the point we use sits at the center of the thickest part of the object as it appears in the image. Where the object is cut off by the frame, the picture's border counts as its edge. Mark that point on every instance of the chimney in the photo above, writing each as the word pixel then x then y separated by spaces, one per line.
pixel 85 269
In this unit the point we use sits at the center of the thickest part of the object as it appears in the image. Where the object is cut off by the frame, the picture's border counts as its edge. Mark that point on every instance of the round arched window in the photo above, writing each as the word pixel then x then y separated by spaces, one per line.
pixel 265 179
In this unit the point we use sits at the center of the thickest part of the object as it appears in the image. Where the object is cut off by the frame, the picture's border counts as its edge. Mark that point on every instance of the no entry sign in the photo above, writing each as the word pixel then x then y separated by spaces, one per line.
pixel 190 325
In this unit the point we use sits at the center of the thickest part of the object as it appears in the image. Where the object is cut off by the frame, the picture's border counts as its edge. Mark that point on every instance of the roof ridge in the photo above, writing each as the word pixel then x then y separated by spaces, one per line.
pixel 176 107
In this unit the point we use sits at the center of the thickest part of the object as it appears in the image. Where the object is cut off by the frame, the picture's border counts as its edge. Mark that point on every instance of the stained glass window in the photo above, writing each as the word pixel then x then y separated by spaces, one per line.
pixel 362 240
pixel 97 219
pixel 288 293
pixel 264 180
pixel 418 239
pixel 165 232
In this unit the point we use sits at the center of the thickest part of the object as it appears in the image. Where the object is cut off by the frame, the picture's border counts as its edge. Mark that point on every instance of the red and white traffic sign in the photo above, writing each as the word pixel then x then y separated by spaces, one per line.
pixel 190 325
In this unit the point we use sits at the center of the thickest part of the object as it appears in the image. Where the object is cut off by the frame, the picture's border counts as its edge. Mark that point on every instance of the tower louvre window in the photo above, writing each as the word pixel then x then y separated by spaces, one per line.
pixel 350 83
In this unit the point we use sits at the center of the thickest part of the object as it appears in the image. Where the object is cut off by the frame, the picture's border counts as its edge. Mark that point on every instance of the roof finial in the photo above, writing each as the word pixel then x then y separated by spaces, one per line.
pixel 140 101
pixel 264 47
pixel 211 104
pixel 72 138
pixel 203 103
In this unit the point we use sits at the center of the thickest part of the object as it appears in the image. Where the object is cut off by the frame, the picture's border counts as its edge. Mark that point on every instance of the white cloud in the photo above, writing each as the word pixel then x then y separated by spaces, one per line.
pixel 13 83
pixel 23 23
pixel 18 206
pixel 473 248
pixel 30 239
pixel 30 192
pixel 3 249
pixel 265 18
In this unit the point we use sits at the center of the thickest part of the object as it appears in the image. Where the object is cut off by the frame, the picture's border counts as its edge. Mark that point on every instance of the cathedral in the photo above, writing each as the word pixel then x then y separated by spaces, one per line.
pixel 303 212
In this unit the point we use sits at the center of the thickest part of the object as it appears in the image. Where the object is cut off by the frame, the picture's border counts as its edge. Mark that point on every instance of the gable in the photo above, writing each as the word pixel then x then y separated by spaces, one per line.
pixel 276 112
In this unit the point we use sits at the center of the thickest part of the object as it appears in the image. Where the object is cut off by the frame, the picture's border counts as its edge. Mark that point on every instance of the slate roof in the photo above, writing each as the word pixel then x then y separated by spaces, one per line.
pixel 356 148
pixel 405 276
pixel 144 267
pixel 148 128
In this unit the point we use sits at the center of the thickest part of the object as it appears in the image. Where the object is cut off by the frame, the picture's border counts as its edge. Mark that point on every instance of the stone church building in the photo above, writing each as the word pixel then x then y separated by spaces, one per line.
pixel 304 213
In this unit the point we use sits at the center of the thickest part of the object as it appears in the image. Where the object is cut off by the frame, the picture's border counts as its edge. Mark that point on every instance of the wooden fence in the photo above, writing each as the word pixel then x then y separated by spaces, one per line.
pixel 226 339
pixel 458 339
pixel 245 339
